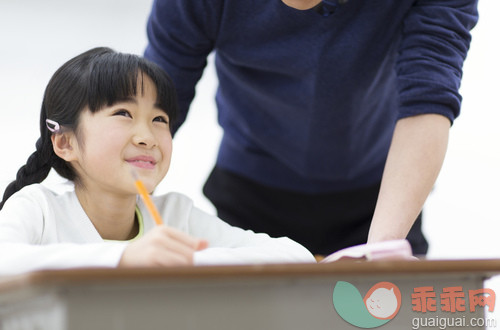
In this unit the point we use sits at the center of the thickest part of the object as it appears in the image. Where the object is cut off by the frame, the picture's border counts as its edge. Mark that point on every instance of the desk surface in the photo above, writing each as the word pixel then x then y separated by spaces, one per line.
pixel 482 267
pixel 279 296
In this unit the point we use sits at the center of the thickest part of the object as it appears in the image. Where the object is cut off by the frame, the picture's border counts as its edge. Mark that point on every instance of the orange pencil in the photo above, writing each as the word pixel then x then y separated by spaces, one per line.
pixel 147 199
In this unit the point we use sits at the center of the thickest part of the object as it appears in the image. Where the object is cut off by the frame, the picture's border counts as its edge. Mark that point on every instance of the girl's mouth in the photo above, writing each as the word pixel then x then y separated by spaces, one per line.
pixel 145 162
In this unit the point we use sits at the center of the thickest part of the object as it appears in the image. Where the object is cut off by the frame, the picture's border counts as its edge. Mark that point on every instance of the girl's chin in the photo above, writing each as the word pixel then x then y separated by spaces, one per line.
pixel 150 187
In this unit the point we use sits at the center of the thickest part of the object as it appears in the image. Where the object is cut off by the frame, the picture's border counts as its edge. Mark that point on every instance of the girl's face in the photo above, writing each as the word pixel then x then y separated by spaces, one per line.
pixel 132 134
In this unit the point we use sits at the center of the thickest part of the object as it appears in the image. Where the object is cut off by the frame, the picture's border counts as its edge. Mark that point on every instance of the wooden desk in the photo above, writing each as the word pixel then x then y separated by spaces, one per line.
pixel 267 297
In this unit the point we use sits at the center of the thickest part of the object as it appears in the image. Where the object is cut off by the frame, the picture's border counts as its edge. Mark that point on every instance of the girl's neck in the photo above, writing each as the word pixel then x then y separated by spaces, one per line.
pixel 112 215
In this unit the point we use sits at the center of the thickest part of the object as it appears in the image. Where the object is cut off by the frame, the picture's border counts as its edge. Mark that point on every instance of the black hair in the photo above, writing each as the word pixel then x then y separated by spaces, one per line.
pixel 95 79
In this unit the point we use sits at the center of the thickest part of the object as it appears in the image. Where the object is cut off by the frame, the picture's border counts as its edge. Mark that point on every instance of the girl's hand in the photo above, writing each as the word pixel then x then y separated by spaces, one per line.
pixel 162 246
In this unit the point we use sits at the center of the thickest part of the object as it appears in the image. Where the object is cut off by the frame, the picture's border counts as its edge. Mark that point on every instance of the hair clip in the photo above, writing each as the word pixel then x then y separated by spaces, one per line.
pixel 53 126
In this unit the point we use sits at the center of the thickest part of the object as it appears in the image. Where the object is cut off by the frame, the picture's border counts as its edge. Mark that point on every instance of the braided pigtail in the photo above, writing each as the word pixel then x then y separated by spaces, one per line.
pixel 39 163
pixel 35 171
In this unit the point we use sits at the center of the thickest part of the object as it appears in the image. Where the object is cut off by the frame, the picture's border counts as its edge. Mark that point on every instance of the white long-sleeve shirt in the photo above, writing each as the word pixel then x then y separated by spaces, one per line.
pixel 41 229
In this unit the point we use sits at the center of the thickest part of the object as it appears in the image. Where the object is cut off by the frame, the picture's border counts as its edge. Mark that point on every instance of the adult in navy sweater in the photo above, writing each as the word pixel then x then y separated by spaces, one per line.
pixel 335 114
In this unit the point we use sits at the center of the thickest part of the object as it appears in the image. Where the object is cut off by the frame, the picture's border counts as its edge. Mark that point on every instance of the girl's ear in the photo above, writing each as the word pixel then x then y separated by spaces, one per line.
pixel 63 144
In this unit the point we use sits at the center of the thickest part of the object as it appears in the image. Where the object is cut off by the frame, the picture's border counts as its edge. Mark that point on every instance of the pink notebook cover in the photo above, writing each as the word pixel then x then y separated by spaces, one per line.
pixel 387 250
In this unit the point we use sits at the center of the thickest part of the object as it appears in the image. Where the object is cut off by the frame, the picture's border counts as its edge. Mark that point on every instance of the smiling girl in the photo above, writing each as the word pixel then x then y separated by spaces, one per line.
pixel 105 114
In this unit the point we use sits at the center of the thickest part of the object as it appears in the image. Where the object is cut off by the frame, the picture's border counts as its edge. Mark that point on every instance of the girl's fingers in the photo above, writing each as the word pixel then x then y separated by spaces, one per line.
pixel 183 238
pixel 170 258
pixel 202 244
pixel 162 246
pixel 172 245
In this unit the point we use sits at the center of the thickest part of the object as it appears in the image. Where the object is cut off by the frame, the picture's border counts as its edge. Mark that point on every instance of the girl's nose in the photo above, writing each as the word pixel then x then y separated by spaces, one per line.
pixel 144 136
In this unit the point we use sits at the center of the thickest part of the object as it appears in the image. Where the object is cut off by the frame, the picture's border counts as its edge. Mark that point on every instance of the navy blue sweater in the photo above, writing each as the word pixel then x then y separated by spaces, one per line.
pixel 307 102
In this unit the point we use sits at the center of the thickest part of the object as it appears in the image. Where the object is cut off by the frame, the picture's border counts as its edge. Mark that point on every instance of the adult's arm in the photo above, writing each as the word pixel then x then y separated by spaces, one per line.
pixel 436 38
pixel 181 34
pixel 415 158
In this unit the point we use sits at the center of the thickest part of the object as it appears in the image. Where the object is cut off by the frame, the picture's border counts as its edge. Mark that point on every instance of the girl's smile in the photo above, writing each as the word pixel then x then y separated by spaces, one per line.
pixel 146 162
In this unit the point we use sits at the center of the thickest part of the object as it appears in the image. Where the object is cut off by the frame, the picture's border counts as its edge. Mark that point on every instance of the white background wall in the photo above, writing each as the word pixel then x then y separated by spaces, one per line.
pixel 36 37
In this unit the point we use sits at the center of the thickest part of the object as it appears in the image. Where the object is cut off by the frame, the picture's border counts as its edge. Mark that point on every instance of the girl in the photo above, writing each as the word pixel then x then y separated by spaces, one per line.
pixel 105 114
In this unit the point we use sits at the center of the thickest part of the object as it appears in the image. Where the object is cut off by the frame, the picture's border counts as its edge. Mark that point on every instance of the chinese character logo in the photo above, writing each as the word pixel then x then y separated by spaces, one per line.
pixel 453 300
pixel 380 305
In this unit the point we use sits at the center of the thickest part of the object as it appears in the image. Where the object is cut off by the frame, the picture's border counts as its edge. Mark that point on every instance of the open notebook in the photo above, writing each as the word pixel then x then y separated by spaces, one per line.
pixel 387 250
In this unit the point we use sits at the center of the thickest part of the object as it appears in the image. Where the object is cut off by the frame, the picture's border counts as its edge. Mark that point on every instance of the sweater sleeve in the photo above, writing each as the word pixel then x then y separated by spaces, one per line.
pixel 436 38
pixel 17 258
pixel 233 245
pixel 181 34
pixel 23 226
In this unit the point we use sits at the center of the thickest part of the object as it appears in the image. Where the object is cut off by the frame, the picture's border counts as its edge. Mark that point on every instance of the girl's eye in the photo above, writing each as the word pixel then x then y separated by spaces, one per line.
pixel 122 112
pixel 161 119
